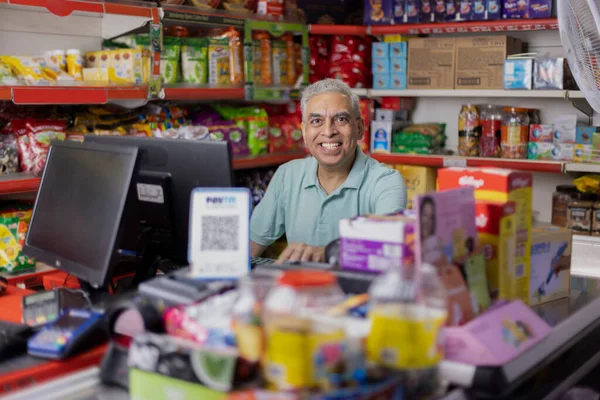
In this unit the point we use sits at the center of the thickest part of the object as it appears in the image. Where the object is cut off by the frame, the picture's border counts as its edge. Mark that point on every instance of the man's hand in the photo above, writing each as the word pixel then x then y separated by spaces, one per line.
pixel 302 252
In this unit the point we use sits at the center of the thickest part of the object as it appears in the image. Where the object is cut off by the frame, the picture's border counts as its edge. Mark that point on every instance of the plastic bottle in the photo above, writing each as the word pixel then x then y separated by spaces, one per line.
pixel 303 343
pixel 407 312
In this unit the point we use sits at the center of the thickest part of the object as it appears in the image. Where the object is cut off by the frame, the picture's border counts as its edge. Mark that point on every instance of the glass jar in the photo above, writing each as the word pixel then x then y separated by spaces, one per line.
pixel 299 331
pixel 469 131
pixel 407 311
pixel 579 217
pixel 491 130
pixel 515 133
pixel 561 199
pixel 596 219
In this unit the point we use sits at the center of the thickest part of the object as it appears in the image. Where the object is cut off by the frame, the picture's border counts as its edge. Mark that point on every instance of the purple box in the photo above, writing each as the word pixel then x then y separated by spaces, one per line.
pixel 465 10
pixel 540 9
pixel 479 10
pixel 426 11
pixel 379 12
pixel 515 9
pixel 399 11
pixel 413 10
pixel 452 7
pixel 494 10
pixel 439 10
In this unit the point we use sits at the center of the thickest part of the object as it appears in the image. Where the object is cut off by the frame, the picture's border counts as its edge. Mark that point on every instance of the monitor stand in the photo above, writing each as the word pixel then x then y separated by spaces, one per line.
pixel 96 295
pixel 147 256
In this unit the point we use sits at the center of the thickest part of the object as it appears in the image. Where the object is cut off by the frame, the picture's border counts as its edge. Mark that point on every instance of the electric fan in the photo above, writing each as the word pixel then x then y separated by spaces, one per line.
pixel 579 25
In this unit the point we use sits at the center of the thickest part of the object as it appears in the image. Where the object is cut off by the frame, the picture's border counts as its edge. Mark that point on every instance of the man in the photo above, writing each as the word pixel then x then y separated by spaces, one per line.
pixel 307 198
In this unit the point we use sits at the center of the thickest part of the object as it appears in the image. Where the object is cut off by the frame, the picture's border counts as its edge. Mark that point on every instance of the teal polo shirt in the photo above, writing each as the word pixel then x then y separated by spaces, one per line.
pixel 296 204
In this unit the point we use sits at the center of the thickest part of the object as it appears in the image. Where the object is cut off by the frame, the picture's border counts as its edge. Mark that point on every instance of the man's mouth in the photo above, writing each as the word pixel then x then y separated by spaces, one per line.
pixel 331 146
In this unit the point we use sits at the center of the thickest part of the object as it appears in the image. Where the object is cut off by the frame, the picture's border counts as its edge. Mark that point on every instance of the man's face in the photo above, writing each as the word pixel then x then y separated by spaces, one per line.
pixel 330 129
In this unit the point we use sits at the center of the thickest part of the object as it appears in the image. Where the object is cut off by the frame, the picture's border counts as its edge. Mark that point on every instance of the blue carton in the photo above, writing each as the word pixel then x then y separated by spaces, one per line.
pixel 399 49
pixel 465 10
pixel 585 134
pixel 398 65
pixel 380 50
pixel 381 81
pixel 480 11
pixel 378 12
pixel 381 66
pixel 518 74
pixel 398 81
pixel 494 10
pixel 406 11
pixel 426 12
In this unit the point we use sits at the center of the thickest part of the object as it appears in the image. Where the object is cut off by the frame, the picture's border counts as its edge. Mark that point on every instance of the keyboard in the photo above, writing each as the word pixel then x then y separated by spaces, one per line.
pixel 261 261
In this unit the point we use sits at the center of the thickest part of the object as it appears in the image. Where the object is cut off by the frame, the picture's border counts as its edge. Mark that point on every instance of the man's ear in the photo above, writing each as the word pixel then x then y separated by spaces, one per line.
pixel 361 128
pixel 303 134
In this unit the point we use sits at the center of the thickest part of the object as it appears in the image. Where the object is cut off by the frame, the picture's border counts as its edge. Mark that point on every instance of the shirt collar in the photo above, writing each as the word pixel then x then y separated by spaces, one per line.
pixel 353 180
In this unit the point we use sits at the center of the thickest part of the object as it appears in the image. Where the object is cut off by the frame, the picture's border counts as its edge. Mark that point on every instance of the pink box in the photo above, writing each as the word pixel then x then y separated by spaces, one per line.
pixel 497 336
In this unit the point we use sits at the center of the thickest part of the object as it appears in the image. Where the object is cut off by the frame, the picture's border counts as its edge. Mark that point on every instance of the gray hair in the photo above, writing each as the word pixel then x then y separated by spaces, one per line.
pixel 330 85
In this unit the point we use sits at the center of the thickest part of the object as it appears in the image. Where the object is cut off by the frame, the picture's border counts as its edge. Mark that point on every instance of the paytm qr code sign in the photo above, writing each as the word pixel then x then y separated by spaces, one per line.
pixel 219 239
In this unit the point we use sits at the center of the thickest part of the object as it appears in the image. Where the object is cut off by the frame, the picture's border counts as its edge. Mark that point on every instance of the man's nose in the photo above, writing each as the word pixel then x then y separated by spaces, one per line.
pixel 329 129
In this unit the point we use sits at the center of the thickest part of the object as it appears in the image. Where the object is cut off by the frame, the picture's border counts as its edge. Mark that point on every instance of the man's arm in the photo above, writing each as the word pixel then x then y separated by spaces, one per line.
pixel 256 249
pixel 390 194
pixel 268 218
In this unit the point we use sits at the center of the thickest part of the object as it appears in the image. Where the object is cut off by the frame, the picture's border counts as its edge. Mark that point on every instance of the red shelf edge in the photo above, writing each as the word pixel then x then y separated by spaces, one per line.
pixel 19 185
pixel 357 30
pixel 469 26
pixel 204 93
pixel 71 95
pixel 265 161
pixel 438 162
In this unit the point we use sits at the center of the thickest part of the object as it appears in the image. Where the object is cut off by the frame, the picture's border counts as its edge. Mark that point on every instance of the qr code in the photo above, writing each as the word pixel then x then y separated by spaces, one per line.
pixel 519 270
pixel 220 233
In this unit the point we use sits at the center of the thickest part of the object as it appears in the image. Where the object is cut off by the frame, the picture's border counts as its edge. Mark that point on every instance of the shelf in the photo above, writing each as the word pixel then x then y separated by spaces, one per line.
pixel 63 8
pixel 183 93
pixel 355 30
pixel 541 94
pixel 466 27
pixel 455 161
pixel 582 167
pixel 18 183
pixel 269 160
pixel 72 94
pixel 361 92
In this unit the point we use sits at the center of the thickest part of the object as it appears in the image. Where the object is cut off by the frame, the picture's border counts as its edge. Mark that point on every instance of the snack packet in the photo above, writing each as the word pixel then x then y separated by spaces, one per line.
pixel 219 66
pixel 194 60
pixel 280 63
pixel 11 257
pixel 588 184
pixel 169 60
pixel 40 133
pixel 258 128
pixel 262 65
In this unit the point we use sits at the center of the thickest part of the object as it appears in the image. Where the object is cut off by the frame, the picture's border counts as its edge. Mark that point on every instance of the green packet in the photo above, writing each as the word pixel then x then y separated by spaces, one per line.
pixel 12 236
pixel 169 60
pixel 194 60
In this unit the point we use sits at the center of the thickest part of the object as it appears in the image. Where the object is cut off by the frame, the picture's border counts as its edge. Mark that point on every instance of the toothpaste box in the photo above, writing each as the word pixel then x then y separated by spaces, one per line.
pixel 426 12
pixel 496 232
pixel 540 151
pixel 380 50
pixel 563 151
pixel 381 81
pixel 398 50
pixel 398 81
pixel 541 133
pixel 585 134
pixel 378 12
pixel 375 244
pixel 550 263
pixel 381 66
pixel 502 185
pixel 565 129
pixel 398 65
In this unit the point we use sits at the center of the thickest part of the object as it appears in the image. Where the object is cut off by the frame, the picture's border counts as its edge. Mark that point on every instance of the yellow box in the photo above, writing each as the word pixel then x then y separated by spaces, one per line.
pixel 550 263
pixel 497 235
pixel 502 185
pixel 419 180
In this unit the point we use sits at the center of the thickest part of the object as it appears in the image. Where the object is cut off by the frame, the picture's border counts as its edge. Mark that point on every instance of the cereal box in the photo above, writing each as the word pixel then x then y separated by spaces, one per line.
pixel 419 180
pixel 496 232
pixel 550 263
pixel 502 185
pixel 378 12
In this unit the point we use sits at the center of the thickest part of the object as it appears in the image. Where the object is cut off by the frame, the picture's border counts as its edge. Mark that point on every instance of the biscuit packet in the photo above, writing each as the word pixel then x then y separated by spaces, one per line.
pixel 194 60
pixel 12 236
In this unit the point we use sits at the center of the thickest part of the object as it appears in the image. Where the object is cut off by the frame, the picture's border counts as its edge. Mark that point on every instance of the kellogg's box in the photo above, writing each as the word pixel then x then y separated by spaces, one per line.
pixel 492 184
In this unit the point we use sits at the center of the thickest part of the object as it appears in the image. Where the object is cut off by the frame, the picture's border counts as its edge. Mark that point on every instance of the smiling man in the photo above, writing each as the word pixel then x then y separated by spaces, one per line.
pixel 307 198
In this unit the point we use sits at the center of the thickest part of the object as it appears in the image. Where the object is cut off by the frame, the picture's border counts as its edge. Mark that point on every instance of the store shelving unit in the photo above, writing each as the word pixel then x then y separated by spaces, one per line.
pixel 196 93
pixel 18 183
pixel 72 94
pixel 457 93
pixel 269 160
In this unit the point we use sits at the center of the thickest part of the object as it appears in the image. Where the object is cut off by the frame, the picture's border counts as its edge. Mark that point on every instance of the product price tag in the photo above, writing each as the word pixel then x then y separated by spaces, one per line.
pixel 219 239
pixel 454 162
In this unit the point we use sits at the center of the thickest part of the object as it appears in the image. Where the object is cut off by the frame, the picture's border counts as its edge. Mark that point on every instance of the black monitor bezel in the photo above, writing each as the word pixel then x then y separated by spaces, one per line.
pixel 95 277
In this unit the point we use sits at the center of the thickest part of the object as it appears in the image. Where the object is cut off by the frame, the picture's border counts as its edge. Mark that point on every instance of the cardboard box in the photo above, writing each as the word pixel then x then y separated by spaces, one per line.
pixel 540 133
pixel 376 244
pixel 550 264
pixel 540 151
pixel 418 181
pixel 431 63
pixel 398 81
pixel 502 185
pixel 399 50
pixel 497 235
pixel 480 61
pixel 398 65
pixel 518 74
pixel 381 66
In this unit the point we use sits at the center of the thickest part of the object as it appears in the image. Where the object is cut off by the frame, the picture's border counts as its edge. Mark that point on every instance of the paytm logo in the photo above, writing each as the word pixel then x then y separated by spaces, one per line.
pixel 220 201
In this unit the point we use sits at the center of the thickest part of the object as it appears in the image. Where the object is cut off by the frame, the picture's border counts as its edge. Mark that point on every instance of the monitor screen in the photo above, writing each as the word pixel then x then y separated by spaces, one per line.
pixel 79 206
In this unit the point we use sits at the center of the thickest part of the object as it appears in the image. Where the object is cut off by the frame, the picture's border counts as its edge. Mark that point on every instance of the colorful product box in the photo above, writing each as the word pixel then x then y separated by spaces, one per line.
pixel 565 129
pixel 406 11
pixel 447 239
pixel 515 9
pixel 550 264
pixel 585 134
pixel 418 180
pixel 426 12
pixel 502 186
pixel 378 12
pixel 540 151
pixel 541 133
pixel 540 9
pixel 381 136
pixel 466 11
pixel 494 10
pixel 496 232
pixel 518 74
pixel 381 81
pixel 380 50
pixel 377 244
pixel 398 81
pixel 381 66
pixel 399 50
pixel 563 151
pixel 583 152
pixel 398 65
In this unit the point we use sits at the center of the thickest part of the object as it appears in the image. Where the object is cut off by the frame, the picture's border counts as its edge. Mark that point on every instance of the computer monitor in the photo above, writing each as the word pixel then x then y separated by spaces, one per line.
pixel 177 166
pixel 76 219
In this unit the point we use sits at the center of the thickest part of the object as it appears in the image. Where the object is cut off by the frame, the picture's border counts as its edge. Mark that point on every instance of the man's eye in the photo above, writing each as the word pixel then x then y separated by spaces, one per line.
pixel 343 120
pixel 315 121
